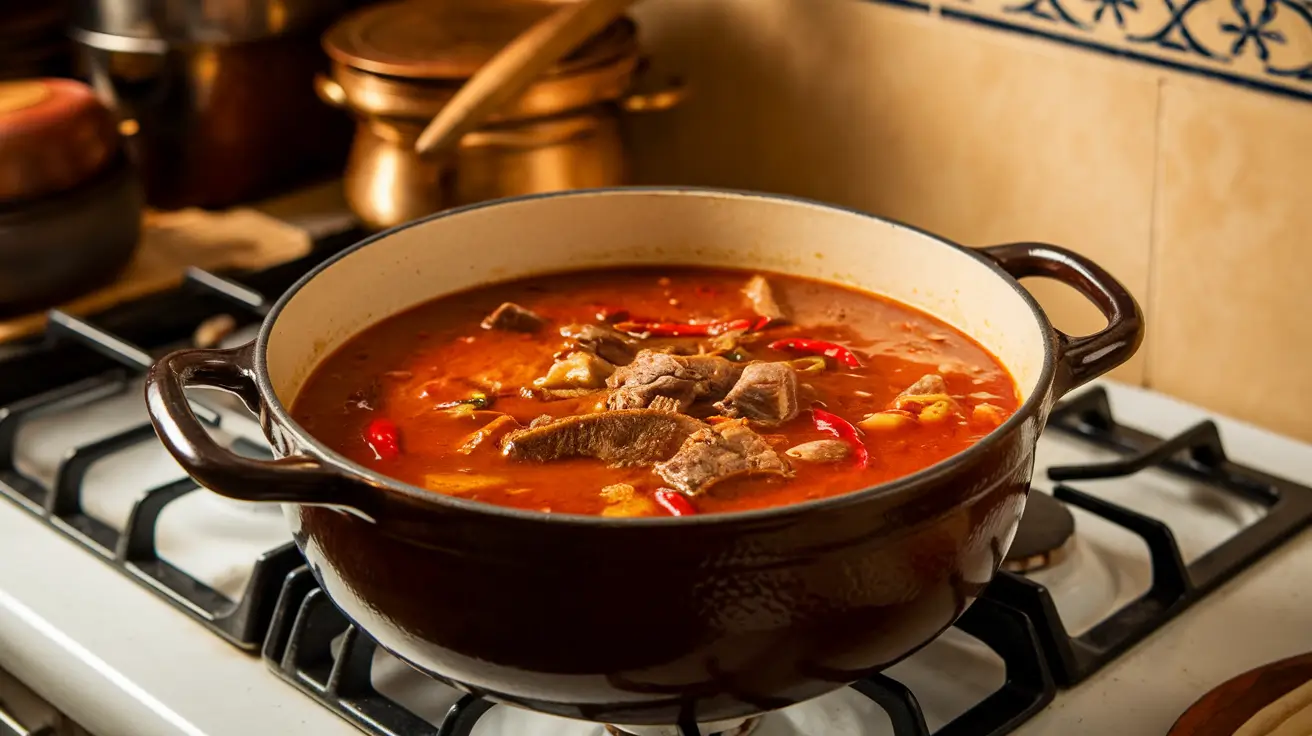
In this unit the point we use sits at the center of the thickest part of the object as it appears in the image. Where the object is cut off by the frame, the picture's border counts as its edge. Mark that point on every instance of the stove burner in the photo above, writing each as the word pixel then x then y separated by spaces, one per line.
pixel 1196 454
pixel 742 728
pixel 1045 537
pixel 312 647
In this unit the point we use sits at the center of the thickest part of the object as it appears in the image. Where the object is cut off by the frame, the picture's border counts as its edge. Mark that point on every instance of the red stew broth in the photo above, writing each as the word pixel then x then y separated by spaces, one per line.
pixel 404 366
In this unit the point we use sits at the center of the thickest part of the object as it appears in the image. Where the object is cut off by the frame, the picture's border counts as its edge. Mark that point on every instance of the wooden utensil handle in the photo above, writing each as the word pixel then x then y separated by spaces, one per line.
pixel 514 68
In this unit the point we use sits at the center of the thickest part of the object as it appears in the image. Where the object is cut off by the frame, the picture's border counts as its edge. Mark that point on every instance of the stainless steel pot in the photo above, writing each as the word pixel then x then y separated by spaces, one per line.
pixel 202 21
pixel 213 125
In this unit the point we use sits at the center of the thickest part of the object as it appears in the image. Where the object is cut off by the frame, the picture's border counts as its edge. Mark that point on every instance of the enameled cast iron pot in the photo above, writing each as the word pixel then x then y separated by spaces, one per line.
pixel 654 620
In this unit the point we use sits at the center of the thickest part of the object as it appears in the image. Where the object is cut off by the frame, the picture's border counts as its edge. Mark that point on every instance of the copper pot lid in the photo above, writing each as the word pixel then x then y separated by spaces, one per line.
pixel 452 39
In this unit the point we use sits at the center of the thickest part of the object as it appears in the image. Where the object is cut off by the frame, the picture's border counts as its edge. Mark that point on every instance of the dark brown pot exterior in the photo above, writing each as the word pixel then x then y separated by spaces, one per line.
pixel 721 621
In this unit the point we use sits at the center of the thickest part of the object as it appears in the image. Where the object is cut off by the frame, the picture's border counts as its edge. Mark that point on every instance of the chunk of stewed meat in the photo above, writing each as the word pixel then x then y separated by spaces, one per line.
pixel 716 453
pixel 930 384
pixel 510 316
pixel 664 403
pixel 618 438
pixel 765 393
pixel 820 451
pixel 763 300
pixel 684 378
pixel 714 375
pixel 578 369
pixel 679 392
pixel 609 344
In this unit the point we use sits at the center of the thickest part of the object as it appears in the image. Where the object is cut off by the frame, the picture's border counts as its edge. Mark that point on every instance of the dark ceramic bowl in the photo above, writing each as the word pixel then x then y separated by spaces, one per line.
pixel 63 245
pixel 649 621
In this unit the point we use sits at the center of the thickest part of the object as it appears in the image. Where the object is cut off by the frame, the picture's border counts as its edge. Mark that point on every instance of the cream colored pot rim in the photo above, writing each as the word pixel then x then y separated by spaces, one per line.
pixel 905 485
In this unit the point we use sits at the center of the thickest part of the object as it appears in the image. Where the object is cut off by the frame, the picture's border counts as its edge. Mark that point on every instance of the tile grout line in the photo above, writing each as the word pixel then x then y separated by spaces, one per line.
pixel 1154 230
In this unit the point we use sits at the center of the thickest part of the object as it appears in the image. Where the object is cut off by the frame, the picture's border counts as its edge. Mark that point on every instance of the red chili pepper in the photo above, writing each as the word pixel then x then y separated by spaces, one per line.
pixel 383 438
pixel 674 502
pixel 818 347
pixel 842 429
pixel 674 329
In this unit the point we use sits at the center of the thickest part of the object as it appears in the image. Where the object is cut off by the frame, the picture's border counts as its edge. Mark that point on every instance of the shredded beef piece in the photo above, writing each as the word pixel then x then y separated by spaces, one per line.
pixel 926 385
pixel 619 438
pixel 604 342
pixel 927 390
pixel 763 300
pixel 664 403
pixel 684 378
pixel 713 454
pixel 715 375
pixel 510 316
pixel 765 392
pixel 677 390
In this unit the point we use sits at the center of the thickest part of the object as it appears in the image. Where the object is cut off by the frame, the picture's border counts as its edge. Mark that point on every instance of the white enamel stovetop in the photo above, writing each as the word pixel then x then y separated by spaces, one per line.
pixel 124 663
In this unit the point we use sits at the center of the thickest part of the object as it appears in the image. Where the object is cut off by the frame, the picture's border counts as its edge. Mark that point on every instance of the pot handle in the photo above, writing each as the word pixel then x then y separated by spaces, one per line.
pixel 1080 359
pixel 285 480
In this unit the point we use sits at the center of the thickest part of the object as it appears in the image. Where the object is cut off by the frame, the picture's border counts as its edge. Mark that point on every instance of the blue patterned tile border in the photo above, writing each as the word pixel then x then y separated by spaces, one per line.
pixel 1260 44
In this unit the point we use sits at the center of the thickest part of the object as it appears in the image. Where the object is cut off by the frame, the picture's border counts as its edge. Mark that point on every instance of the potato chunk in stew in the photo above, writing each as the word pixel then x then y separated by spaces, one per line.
pixel 648 392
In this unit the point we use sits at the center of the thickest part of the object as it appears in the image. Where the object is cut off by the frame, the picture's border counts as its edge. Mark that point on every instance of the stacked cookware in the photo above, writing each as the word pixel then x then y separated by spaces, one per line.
pixel 70 203
pixel 216 98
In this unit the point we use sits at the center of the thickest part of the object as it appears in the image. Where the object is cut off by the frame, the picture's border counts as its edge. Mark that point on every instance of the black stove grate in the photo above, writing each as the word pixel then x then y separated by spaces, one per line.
pixel 305 625
pixel 1197 454
pixel 79 361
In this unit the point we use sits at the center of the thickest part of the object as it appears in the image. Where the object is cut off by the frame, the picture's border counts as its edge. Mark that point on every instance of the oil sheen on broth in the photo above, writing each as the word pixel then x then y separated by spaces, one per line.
pixel 655 392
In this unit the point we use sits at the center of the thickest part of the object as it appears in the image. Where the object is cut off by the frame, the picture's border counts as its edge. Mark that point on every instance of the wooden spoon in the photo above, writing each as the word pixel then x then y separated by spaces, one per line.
pixel 514 68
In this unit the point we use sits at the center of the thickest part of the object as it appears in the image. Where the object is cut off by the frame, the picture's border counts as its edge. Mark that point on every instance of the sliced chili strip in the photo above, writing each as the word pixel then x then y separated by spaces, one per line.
pixel 383 438
pixel 842 429
pixel 818 347
pixel 674 502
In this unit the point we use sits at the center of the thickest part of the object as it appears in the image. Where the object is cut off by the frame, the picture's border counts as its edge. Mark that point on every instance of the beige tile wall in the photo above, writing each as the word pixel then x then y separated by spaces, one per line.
pixel 1188 190
pixel 1232 275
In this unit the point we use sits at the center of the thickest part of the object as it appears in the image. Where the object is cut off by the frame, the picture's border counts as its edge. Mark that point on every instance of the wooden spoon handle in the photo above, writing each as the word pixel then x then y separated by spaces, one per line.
pixel 515 67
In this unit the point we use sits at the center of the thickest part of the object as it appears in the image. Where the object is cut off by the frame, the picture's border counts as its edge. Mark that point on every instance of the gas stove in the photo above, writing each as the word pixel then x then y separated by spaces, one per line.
pixel 1158 557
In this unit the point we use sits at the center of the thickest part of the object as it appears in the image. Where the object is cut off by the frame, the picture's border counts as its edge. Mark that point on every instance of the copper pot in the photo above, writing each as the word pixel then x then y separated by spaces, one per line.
pixel 561 133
